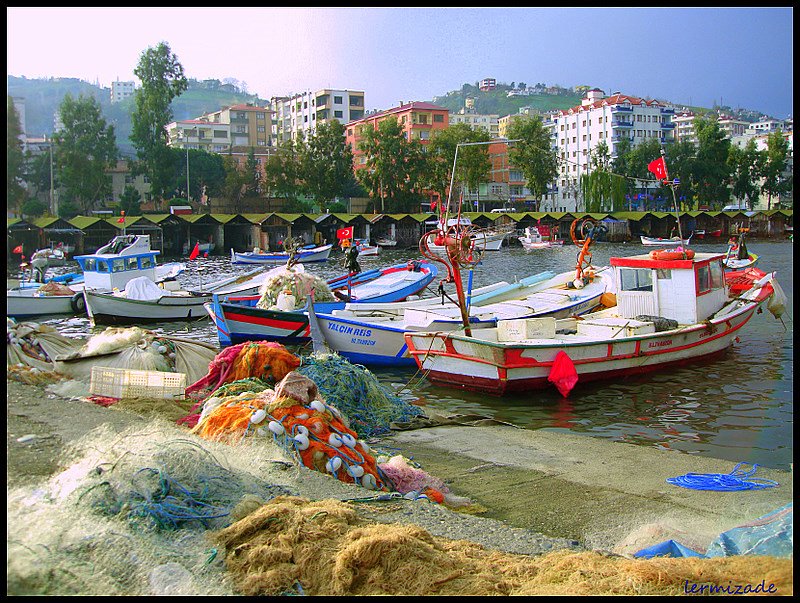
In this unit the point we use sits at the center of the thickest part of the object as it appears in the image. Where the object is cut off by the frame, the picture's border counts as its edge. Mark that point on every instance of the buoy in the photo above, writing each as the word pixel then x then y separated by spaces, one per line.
pixel 258 416
pixel 334 464
pixel 317 405
pixel 368 481
pixel 355 470
pixel 276 428
pixel 301 441
pixel 578 283
pixel 302 430
pixel 335 440
pixel 348 440
pixel 364 446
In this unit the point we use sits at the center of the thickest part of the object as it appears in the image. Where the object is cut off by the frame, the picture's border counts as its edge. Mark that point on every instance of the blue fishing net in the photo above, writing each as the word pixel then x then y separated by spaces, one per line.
pixel 369 406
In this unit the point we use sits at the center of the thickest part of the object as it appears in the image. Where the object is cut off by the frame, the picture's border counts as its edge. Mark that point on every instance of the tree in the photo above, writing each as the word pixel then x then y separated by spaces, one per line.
pixel 533 154
pixel 130 200
pixel 84 149
pixel 602 190
pixel 281 172
pixel 33 208
pixel 747 164
pixel 326 163
pixel 253 174
pixel 15 190
pixel 235 182
pixel 776 183
pixel 394 166
pixel 473 166
pixel 162 80
pixel 711 171
pixel 681 158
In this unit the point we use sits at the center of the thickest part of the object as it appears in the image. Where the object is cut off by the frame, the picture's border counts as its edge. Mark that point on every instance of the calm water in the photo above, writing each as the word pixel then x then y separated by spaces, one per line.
pixel 738 408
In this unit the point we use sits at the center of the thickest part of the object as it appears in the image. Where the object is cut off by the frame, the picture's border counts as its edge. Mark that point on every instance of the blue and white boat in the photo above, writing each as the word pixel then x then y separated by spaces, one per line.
pixel 304 255
pixel 374 335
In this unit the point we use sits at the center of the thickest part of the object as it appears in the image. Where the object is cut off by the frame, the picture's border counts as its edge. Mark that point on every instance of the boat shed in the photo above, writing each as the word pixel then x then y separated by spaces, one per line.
pixel 22 232
pixel 139 225
pixel 57 230
pixel 362 226
pixel 241 232
pixel 96 232
pixel 202 227
pixel 172 228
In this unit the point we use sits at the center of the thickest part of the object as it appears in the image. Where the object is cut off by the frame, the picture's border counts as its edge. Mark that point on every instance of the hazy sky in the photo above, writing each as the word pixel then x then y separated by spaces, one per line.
pixel 741 57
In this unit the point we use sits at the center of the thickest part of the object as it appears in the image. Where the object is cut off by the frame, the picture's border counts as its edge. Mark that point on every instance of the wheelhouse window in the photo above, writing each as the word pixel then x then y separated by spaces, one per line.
pixel 145 262
pixel 118 265
pixel 133 264
pixel 709 276
pixel 636 279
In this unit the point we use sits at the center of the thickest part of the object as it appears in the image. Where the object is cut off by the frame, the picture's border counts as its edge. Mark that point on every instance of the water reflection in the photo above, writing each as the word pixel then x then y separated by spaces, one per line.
pixel 737 408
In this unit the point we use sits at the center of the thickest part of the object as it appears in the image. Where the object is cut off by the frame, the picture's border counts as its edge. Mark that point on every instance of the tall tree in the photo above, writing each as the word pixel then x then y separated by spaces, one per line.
pixel 711 169
pixel 253 186
pixel 473 165
pixel 84 149
pixel 394 167
pixel 533 154
pixel 602 189
pixel 282 173
pixel 15 159
pixel 326 164
pixel 747 164
pixel 162 80
pixel 236 181
pixel 776 182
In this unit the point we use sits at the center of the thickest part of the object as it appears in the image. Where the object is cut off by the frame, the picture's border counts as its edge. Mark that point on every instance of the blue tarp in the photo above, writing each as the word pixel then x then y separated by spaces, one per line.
pixel 770 535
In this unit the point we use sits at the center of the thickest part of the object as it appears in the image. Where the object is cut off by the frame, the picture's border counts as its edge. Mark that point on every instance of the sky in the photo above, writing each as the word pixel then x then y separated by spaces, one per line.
pixel 739 57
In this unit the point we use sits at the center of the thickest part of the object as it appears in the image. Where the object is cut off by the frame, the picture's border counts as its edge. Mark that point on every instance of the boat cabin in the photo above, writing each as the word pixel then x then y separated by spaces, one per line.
pixel 685 290
pixel 111 267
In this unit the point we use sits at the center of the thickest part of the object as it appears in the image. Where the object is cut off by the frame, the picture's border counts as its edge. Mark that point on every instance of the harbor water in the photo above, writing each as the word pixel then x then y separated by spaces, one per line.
pixel 738 408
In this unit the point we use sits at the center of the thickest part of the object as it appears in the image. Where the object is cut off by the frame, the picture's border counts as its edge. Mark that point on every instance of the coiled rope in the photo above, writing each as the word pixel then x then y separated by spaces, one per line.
pixel 723 482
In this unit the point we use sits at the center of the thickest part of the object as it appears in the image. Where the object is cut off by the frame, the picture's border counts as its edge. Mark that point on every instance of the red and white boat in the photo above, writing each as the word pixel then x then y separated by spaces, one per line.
pixel 669 312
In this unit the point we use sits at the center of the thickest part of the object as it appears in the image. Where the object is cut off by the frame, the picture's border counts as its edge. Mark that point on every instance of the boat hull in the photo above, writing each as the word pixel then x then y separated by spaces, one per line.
pixel 501 367
pixel 27 305
pixel 658 242
pixel 108 309
pixel 318 254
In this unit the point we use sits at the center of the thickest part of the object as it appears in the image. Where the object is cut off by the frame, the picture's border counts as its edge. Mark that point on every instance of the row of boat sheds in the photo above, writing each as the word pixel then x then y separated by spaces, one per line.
pixel 174 234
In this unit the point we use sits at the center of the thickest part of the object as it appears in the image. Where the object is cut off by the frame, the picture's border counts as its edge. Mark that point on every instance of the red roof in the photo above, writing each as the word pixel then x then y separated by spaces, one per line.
pixel 405 107
pixel 616 99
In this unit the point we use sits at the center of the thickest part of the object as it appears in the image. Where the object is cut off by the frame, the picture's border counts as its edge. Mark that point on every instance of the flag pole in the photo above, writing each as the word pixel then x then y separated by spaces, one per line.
pixel 674 197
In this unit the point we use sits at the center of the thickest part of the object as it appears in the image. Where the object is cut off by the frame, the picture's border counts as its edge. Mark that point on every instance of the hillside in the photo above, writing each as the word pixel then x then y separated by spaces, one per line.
pixel 497 102
pixel 43 97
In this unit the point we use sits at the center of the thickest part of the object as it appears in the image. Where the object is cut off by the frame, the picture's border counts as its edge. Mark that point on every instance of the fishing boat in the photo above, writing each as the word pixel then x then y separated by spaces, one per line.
pixel 364 248
pixel 715 233
pixel 668 313
pixel 238 318
pixel 124 258
pixel 485 239
pixel 373 334
pixel 303 254
pixel 534 239
pixel 386 242
pixel 660 242
pixel 738 257
pixel 54 256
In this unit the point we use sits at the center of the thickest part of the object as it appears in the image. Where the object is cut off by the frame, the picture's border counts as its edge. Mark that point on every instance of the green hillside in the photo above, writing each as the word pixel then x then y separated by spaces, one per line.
pixel 497 102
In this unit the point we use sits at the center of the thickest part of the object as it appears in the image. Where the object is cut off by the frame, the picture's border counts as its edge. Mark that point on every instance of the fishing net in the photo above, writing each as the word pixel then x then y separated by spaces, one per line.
pixel 295 546
pixel 299 284
pixel 370 406
pixel 129 514
pixel 296 418
pixel 30 344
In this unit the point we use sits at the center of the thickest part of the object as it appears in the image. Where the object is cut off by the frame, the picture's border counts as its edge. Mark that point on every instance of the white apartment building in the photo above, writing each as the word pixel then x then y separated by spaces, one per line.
pixel 199 134
pixel 767 125
pixel 218 132
pixel 122 90
pixel 304 112
pixel 487 123
pixel 576 132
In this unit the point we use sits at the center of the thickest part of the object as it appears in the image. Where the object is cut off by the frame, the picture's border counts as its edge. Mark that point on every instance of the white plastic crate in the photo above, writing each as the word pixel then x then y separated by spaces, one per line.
pixel 129 383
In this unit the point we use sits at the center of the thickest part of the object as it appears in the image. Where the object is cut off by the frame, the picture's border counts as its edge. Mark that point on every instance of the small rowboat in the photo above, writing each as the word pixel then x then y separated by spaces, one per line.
pixel 658 241
pixel 304 255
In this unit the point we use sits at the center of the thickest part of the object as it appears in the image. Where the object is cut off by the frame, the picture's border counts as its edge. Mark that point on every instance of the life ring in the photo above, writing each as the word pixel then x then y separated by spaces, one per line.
pixel 78 303
pixel 667 254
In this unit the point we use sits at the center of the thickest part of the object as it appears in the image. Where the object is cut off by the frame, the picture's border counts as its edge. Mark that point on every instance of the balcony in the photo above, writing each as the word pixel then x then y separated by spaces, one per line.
pixel 667 111
pixel 621 124
pixel 667 126
pixel 621 108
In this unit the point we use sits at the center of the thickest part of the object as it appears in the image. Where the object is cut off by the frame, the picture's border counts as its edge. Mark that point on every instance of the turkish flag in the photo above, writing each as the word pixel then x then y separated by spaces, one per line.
pixel 17 249
pixel 658 167
pixel 344 233
pixel 195 251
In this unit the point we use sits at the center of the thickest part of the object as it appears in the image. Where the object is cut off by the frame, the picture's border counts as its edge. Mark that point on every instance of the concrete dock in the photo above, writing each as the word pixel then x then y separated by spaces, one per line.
pixel 607 495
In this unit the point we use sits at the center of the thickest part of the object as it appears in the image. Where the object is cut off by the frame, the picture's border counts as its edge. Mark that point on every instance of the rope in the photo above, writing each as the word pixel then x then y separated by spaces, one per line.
pixel 723 482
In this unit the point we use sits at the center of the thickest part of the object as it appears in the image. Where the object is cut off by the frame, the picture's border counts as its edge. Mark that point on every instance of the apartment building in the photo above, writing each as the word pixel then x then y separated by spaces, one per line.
pixel 577 131
pixel 418 120
pixel 487 123
pixel 304 112
pixel 503 123
pixel 487 84
pixel 122 90
pixel 218 132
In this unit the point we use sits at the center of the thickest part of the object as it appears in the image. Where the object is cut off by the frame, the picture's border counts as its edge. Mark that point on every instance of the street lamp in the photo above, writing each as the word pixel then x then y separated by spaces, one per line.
pixel 187 166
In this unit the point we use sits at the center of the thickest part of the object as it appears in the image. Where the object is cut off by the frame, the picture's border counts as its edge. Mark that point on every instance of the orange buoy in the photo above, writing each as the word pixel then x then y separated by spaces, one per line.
pixel 671 254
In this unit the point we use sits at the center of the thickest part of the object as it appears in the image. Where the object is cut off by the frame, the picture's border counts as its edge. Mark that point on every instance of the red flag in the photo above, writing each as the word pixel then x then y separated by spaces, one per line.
pixel 121 218
pixel 17 249
pixel 658 167
pixel 344 233
pixel 433 206
pixel 195 251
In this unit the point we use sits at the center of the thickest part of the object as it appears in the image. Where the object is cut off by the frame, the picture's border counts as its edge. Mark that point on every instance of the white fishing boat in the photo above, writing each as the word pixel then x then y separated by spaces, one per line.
pixel 112 266
pixel 374 334
pixel 533 239
pixel 485 239
pixel 55 256
pixel 386 242
pixel 304 255
pixel 659 242
pixel 668 313
pixel 364 248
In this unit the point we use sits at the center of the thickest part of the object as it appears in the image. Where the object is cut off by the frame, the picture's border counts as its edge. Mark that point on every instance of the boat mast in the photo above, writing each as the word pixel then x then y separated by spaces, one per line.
pixel 672 186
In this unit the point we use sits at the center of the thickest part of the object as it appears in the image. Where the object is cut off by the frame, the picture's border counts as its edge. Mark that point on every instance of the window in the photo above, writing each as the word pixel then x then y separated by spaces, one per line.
pixel 636 279
pixel 338 114
pixel 259 116
pixel 438 118
pixel 133 264
pixel 118 265
pixel 709 276
pixel 145 262
pixel 262 129
pixel 337 100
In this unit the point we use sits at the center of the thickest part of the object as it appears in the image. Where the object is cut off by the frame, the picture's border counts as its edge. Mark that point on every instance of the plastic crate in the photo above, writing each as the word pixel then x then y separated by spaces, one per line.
pixel 128 383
